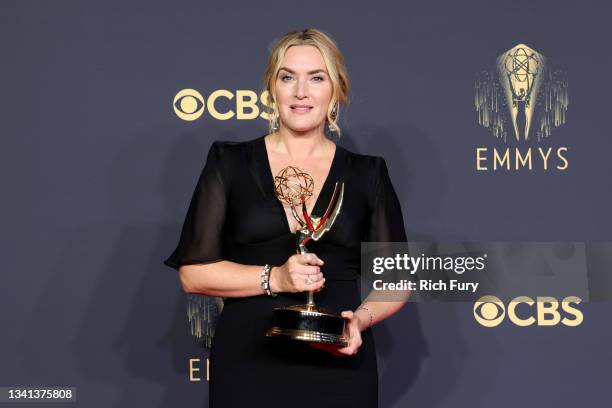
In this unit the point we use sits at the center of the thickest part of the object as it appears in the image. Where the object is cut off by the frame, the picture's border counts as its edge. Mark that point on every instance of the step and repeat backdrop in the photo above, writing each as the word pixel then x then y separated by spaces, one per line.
pixel 493 119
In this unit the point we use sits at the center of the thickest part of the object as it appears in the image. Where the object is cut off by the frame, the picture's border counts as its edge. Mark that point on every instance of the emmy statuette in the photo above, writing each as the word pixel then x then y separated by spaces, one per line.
pixel 307 322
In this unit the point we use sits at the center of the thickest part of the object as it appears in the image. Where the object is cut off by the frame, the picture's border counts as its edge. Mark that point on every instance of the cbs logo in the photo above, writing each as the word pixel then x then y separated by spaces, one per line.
pixel 189 104
pixel 490 311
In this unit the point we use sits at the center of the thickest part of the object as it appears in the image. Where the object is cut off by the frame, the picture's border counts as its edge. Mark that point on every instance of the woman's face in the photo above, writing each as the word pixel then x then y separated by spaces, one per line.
pixel 303 89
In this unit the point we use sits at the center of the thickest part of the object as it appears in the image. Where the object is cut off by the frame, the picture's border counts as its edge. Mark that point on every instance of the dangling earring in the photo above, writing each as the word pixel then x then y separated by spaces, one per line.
pixel 334 115
pixel 275 122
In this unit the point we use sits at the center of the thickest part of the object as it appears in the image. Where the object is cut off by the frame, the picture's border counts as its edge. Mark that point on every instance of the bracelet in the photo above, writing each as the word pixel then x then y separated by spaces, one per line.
pixel 270 293
pixel 264 275
pixel 369 312
pixel 265 280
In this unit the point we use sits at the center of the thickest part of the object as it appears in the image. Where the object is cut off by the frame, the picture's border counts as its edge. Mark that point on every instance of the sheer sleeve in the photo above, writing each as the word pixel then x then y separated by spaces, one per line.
pixel 386 220
pixel 201 239
pixel 386 227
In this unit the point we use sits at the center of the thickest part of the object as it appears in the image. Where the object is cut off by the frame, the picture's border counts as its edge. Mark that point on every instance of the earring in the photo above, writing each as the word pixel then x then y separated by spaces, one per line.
pixel 275 122
pixel 334 111
pixel 334 115
pixel 331 128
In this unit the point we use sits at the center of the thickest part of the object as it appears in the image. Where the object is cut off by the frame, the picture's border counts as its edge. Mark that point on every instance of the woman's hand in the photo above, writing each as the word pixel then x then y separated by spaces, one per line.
pixel 301 272
pixel 353 328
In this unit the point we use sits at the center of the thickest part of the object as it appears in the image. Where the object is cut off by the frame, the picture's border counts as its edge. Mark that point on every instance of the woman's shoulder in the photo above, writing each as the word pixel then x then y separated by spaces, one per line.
pixel 235 145
pixel 233 148
pixel 366 162
pixel 230 156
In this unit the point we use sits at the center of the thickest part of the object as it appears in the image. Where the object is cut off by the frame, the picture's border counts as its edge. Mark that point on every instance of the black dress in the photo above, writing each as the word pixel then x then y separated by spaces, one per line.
pixel 234 215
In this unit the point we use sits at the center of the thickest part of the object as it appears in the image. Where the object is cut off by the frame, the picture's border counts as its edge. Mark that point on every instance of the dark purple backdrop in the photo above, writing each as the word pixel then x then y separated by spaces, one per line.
pixel 98 172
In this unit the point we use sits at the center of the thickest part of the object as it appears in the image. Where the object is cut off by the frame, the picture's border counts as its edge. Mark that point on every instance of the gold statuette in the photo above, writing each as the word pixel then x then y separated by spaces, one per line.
pixel 308 322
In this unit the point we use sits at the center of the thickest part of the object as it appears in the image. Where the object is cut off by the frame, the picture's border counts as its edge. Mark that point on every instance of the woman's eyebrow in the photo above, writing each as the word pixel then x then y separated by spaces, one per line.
pixel 315 71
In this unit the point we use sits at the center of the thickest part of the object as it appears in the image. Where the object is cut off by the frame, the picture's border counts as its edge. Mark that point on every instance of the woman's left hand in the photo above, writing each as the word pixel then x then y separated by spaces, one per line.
pixel 352 332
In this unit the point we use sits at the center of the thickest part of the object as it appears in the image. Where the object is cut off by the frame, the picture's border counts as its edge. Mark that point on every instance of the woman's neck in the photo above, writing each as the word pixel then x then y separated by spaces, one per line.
pixel 300 146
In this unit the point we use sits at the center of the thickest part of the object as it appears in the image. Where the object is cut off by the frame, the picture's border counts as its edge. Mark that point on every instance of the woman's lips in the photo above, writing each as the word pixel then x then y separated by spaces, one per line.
pixel 301 109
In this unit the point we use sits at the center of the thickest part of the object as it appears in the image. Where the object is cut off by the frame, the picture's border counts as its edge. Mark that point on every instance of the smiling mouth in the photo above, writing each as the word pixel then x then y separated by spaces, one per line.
pixel 301 108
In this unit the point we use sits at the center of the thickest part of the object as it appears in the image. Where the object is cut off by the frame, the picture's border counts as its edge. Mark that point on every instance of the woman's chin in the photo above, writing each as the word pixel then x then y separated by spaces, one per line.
pixel 302 128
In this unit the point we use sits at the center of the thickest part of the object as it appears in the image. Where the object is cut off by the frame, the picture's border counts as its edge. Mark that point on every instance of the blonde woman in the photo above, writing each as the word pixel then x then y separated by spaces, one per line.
pixel 236 229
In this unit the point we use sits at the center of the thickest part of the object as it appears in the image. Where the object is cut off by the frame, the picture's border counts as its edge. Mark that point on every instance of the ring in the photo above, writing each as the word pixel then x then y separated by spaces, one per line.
pixel 308 280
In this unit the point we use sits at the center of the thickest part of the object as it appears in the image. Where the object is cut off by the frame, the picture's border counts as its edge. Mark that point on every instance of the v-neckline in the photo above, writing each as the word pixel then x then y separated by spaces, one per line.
pixel 325 190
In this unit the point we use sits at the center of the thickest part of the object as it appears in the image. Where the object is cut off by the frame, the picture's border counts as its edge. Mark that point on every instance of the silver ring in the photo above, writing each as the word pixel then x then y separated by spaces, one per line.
pixel 308 280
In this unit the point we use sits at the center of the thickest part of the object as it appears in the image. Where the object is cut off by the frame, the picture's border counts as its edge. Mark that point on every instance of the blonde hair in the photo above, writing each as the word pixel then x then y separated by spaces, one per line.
pixel 334 61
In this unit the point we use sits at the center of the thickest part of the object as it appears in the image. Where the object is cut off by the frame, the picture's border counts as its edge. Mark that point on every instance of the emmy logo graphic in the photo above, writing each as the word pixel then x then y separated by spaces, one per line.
pixel 521 100
pixel 521 96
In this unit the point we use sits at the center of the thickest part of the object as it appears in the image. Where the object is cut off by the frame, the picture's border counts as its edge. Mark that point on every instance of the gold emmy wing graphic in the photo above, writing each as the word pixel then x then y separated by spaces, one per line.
pixel 521 96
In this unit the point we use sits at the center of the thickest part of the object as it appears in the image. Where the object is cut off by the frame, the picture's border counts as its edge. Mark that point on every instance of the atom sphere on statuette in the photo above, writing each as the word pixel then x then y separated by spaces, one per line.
pixel 293 185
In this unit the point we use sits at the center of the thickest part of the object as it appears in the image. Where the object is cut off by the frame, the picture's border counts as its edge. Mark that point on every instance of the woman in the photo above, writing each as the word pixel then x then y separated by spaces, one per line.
pixel 236 227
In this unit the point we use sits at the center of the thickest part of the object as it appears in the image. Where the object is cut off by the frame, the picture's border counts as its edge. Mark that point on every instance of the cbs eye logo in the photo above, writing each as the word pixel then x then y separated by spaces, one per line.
pixel 189 104
pixel 490 311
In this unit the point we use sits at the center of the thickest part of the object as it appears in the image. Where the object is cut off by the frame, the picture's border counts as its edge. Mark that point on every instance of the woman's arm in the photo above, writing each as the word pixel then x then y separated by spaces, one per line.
pixel 231 279
pixel 223 278
pixel 379 310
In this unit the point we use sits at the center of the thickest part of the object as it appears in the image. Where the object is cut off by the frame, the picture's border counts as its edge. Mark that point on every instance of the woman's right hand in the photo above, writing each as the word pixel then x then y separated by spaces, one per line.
pixel 293 275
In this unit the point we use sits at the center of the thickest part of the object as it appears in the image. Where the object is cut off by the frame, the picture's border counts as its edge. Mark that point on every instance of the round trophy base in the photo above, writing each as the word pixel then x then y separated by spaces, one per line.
pixel 309 323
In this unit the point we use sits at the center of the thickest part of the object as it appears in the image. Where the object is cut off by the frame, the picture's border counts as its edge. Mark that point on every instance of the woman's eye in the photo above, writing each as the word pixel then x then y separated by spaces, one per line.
pixel 317 78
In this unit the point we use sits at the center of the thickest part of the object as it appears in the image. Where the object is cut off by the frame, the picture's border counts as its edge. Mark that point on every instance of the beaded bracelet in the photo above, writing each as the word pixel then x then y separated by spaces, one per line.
pixel 265 280
pixel 264 275
pixel 270 293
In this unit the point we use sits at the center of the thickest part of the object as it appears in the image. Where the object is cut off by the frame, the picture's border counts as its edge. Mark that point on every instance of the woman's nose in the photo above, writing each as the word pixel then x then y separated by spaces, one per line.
pixel 302 89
